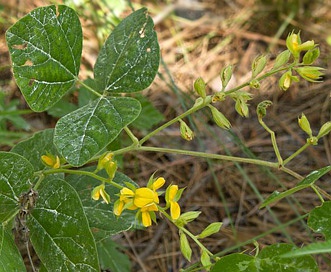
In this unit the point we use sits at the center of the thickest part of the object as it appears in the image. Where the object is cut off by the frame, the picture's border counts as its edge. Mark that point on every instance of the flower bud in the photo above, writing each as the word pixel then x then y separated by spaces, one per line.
pixel 286 79
pixel 219 118
pixel 51 160
pixel 226 75
pixel 305 125
pixel 258 65
pixel 324 130
pixel 186 133
pixel 255 84
pixel 242 107
pixel 310 73
pixel 211 229
pixel 293 43
pixel 100 191
pixel 200 87
pixel 219 96
pixel 311 56
pixel 282 59
pixel 104 160
pixel 111 168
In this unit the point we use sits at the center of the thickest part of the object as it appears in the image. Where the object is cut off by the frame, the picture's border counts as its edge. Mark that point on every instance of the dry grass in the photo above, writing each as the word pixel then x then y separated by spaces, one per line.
pixel 228 32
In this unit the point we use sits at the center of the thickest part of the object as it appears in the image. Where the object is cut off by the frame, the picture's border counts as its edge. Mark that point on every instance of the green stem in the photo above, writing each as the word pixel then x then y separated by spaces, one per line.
pixel 132 136
pixel 81 172
pixel 208 155
pixel 9 219
pixel 89 88
pixel 15 112
pixel 195 239
pixel 317 192
pixel 296 153
pixel 272 72
pixel 41 178
pixel 273 140
pixel 200 103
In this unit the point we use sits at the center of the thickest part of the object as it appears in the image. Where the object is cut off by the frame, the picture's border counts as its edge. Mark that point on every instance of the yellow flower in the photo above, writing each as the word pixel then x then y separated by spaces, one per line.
pixel 158 183
pixel 51 161
pixel 100 191
pixel 124 202
pixel 144 197
pixel 146 214
pixel 171 199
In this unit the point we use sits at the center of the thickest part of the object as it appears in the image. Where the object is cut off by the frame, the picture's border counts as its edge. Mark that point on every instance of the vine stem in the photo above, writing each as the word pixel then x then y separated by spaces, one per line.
pixel 273 141
pixel 296 153
pixel 208 155
pixel 199 104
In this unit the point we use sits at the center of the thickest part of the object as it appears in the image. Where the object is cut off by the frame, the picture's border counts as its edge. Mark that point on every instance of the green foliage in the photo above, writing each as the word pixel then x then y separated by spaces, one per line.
pixel 10 257
pixel 129 59
pixel 319 219
pixel 267 260
pixel 58 223
pixel 111 258
pixel 83 133
pixel 45 48
pixel 305 183
pixel 61 188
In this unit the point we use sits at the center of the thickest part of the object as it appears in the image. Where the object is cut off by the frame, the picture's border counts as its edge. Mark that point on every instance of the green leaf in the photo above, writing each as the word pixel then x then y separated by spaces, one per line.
pixel 129 59
pixel 313 248
pixel 309 180
pixel 16 176
pixel 61 108
pixel 83 133
pixel 185 247
pixel 320 220
pixel 235 262
pixel 149 115
pixel 111 258
pixel 210 229
pixel 10 257
pixel 270 260
pixel 59 229
pixel 45 48
pixel 101 218
pixel 314 176
pixel 33 148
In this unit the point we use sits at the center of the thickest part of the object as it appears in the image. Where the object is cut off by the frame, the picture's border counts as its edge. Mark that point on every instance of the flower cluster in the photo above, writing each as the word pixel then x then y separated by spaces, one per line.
pixel 146 201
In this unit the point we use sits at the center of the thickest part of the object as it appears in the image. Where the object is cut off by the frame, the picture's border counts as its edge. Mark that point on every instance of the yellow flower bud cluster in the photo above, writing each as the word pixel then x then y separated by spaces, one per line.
pixel 304 69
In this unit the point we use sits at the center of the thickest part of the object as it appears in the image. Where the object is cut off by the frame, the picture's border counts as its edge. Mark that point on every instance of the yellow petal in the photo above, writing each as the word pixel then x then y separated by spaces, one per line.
pixel 158 183
pixel 172 192
pixel 126 192
pixel 48 160
pixel 144 196
pixel 57 163
pixel 151 208
pixel 95 193
pixel 104 195
pixel 118 207
pixel 146 219
pixel 174 210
